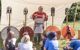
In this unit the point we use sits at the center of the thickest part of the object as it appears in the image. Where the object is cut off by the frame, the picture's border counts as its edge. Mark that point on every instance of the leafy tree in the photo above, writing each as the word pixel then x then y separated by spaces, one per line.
pixel 72 11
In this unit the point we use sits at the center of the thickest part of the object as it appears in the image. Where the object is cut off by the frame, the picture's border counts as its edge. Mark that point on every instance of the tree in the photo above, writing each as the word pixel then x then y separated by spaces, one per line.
pixel 72 12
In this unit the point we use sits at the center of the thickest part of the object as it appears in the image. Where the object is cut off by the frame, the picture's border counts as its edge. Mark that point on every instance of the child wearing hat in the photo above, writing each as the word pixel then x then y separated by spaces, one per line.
pixel 51 42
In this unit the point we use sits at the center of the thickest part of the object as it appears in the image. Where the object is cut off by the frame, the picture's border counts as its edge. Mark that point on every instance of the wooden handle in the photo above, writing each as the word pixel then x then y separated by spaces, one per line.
pixel 75 17
pixel 25 20
pixel 9 11
pixel 9 20
pixel 52 14
pixel 66 13
pixel 25 13
pixel 52 20
pixel 67 20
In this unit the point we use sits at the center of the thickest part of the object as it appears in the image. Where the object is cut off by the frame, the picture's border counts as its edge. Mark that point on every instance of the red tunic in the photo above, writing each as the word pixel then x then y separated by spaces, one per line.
pixel 40 15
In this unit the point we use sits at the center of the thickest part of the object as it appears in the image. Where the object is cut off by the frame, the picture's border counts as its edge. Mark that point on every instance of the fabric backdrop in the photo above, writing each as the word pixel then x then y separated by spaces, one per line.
pixel 17 16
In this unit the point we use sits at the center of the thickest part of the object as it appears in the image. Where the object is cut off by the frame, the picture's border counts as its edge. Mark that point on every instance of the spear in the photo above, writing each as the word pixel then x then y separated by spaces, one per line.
pixel 9 11
pixel 75 15
pixel 66 13
pixel 25 13
pixel 52 14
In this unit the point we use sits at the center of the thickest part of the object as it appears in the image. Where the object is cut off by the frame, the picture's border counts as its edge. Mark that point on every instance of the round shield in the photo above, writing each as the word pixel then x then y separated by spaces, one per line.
pixel 52 28
pixel 4 31
pixel 64 32
pixel 26 29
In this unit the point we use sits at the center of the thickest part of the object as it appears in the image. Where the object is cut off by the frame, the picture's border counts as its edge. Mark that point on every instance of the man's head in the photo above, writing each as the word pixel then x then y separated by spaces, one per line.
pixel 40 8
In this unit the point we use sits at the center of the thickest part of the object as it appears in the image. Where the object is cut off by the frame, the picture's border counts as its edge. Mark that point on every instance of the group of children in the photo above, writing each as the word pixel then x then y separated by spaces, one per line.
pixel 48 42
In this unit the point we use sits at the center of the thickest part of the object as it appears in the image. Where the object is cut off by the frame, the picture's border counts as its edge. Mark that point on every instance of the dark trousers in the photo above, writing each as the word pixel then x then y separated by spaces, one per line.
pixel 37 38
pixel 12 48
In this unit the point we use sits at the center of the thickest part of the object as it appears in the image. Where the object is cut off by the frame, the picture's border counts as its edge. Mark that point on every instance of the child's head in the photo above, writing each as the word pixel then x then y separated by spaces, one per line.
pixel 52 35
pixel 25 38
pixel 25 33
pixel 11 34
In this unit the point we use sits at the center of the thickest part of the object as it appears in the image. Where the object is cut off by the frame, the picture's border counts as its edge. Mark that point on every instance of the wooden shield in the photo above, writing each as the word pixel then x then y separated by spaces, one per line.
pixel 26 29
pixel 4 33
pixel 64 31
pixel 54 29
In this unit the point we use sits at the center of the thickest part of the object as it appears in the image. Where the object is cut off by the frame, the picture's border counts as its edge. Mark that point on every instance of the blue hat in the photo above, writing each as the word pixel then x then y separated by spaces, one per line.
pixel 51 35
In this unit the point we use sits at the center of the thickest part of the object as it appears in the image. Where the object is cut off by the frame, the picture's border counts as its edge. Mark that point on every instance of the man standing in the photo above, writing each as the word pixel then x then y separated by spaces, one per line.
pixel 39 18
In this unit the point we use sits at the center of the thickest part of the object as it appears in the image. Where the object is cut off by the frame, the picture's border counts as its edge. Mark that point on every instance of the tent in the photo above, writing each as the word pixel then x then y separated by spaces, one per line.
pixel 17 16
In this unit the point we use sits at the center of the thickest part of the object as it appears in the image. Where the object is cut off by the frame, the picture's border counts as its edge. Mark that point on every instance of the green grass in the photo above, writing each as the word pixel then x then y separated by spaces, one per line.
pixel 1 43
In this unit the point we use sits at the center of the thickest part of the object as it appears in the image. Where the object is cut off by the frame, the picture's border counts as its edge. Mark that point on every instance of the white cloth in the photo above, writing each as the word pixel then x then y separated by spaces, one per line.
pixel 25 46
pixel 39 20
pixel 38 28
pixel 39 25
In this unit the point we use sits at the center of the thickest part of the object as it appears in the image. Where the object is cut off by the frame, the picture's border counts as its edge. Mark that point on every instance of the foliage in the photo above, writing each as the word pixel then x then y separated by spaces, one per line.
pixel 72 12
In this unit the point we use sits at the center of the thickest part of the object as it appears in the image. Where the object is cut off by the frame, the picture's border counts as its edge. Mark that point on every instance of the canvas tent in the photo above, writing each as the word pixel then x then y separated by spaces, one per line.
pixel 17 17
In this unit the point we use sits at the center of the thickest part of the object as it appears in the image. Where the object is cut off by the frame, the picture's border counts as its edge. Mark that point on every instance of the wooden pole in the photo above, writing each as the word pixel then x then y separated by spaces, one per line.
pixel 25 13
pixel 75 16
pixel 52 14
pixel 9 19
pixel 25 20
pixel 46 24
pixel 74 21
pixel 9 11
pixel 52 20
pixel 66 13
pixel 67 20
pixel 9 24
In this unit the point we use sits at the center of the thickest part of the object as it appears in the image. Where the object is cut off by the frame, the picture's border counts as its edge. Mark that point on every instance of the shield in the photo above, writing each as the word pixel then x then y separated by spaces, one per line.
pixel 64 31
pixel 4 31
pixel 54 29
pixel 27 29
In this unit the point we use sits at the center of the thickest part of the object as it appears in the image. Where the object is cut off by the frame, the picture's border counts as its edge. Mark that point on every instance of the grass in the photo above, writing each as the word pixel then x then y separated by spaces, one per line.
pixel 1 43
